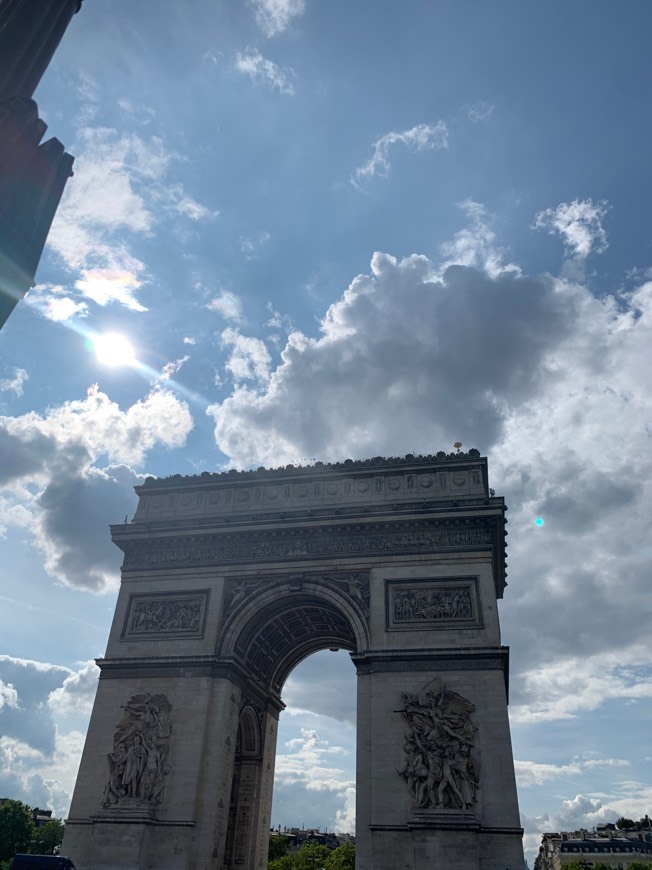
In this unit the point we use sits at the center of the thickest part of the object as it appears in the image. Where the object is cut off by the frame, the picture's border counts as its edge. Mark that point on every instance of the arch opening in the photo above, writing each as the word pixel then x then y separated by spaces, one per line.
pixel 270 636
pixel 315 763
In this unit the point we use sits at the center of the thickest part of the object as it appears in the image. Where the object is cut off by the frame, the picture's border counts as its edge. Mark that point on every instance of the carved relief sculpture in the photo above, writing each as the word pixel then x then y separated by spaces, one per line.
pixel 171 614
pixel 283 548
pixel 414 605
pixel 355 585
pixel 440 770
pixel 138 764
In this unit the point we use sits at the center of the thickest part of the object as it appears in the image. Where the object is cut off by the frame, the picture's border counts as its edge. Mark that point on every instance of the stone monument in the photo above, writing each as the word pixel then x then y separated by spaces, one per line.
pixel 229 581
pixel 33 174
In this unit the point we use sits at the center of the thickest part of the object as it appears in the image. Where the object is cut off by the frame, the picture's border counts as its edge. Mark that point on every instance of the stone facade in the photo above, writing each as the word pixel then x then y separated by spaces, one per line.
pixel 558 850
pixel 229 581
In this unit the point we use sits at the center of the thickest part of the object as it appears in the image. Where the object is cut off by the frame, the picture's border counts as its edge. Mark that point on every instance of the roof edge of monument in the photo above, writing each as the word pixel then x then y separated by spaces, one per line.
pixel 345 465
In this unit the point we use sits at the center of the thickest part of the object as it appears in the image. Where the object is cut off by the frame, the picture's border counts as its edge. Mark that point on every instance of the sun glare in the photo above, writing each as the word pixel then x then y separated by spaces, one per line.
pixel 113 349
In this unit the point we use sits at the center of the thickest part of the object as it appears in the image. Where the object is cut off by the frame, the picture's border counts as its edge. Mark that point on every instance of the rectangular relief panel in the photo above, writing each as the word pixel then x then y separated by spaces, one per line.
pixel 429 603
pixel 167 614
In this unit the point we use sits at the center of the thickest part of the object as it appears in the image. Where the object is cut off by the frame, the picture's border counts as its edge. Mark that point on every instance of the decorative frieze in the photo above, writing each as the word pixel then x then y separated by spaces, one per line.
pixel 302 544
pixel 431 603
pixel 215 495
pixel 169 614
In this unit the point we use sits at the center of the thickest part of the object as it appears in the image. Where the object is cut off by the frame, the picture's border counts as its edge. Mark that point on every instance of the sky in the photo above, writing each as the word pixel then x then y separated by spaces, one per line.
pixel 334 230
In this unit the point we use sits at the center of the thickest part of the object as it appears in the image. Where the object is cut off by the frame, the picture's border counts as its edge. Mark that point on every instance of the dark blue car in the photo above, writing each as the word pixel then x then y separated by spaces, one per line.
pixel 41 862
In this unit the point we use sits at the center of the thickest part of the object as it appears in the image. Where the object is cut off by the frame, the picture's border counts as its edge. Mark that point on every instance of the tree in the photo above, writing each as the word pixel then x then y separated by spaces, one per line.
pixel 16 828
pixel 278 846
pixel 311 856
pixel 342 858
pixel 284 863
pixel 584 864
pixel 625 824
pixel 47 838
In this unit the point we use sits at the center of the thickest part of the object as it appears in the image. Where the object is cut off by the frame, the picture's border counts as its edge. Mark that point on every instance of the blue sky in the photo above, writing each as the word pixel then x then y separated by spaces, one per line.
pixel 335 230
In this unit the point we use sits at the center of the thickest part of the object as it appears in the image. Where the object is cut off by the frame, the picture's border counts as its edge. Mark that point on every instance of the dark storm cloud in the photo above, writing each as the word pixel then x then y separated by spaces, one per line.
pixel 406 361
pixel 30 720
pixel 23 455
pixel 76 510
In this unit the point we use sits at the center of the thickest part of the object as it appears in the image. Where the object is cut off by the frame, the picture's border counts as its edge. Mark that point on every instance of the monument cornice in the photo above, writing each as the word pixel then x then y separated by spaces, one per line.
pixel 190 667
pixel 317 469
pixel 429 659
pixel 422 507
pixel 461 659
pixel 370 485
pixel 147 549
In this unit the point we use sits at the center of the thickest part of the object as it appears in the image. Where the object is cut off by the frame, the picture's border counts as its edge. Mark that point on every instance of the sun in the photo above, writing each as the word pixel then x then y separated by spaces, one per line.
pixel 113 349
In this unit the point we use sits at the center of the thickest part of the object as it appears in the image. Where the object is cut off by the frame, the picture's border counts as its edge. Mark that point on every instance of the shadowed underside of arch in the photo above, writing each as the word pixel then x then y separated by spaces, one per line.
pixel 281 634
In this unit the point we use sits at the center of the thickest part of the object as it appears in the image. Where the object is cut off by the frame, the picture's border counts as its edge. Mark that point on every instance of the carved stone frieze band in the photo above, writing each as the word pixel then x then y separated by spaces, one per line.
pixel 306 543
pixel 172 614
pixel 429 603
pixel 229 495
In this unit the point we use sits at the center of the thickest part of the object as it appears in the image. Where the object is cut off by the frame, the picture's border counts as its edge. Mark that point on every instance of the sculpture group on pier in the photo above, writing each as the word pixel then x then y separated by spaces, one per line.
pixel 439 769
pixel 138 764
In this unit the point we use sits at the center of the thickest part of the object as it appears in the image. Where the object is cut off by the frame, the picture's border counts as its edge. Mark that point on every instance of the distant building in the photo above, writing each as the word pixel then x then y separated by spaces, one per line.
pixel 559 849
pixel 299 836
pixel 41 817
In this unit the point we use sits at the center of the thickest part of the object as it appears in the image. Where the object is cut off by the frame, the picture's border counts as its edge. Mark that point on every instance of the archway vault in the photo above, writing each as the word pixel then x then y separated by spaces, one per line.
pixel 278 626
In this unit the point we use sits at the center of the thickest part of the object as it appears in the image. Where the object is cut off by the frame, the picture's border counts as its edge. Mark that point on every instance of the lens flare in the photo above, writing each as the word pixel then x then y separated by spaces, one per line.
pixel 538 522
pixel 113 349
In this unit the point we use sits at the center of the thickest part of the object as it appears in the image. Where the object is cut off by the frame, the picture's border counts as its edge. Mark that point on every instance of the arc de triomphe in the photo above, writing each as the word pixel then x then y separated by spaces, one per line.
pixel 229 581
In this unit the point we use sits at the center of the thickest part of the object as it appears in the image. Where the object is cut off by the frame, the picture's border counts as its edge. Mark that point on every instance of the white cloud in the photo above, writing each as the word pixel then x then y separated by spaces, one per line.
pixel 228 304
pixel 77 692
pixel 185 205
pixel 475 245
pixel 8 695
pixel 422 137
pixel 312 763
pixel 530 773
pixel 171 368
pixel 260 69
pixel 565 688
pixel 60 308
pixel 274 16
pixel 120 191
pixel 141 111
pixel 579 223
pixel 56 481
pixel 250 246
pixel 14 383
pixel 104 286
pixel 249 359
pixel 480 111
